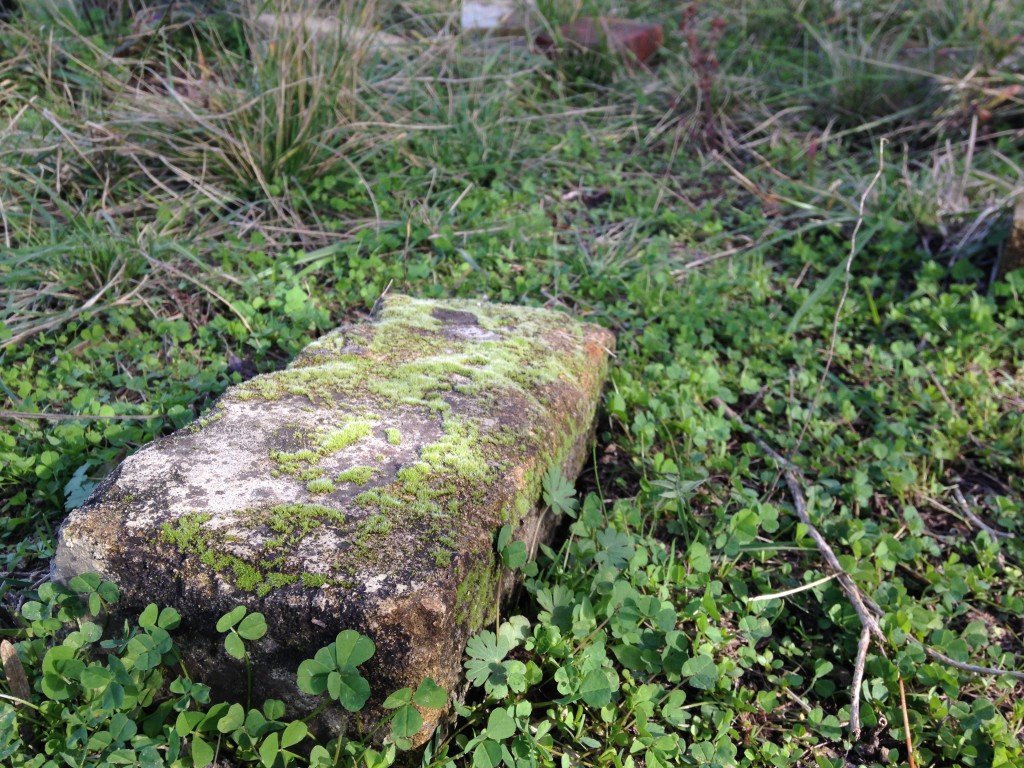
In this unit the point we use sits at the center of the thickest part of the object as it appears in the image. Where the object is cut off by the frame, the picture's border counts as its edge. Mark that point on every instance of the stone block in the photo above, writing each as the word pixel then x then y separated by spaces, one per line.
pixel 360 488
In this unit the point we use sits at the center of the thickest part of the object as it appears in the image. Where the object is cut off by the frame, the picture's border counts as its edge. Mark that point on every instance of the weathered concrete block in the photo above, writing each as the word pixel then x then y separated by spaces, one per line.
pixel 360 488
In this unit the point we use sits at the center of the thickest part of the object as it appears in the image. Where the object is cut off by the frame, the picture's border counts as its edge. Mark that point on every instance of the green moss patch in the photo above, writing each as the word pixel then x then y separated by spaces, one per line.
pixel 289 524
pixel 409 360
pixel 360 475
pixel 344 437
pixel 321 485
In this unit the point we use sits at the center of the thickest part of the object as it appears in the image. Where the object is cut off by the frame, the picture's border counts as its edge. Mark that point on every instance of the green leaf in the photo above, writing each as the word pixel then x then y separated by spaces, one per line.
pixel 95 677
pixel 319 757
pixel 699 559
pixel 122 728
pixel 504 534
pixel 406 722
pixel 348 688
pixel 187 722
pixel 487 754
pixel 485 652
pixel 673 711
pixel 295 732
pixel 296 302
pixel 559 493
pixel 273 709
pixel 430 695
pixel 84 582
pixel 701 672
pixel 232 617
pixel 169 619
pixel 57 658
pixel 147 619
pixel 78 489
pixel 202 752
pixel 515 555
pixel 500 725
pixel 595 689
pixel 312 677
pixel 56 688
pixel 352 648
pixel 253 626
pixel 269 750
pixel 232 720
pixel 234 646
pixel 399 698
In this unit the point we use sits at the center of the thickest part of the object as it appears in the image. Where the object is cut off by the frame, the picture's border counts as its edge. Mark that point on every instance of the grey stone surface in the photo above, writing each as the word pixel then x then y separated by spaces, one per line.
pixel 361 488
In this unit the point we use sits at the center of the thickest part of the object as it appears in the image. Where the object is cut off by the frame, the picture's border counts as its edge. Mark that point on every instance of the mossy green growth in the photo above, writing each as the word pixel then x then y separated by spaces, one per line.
pixel 428 493
pixel 289 522
pixel 394 436
pixel 410 361
pixel 373 525
pixel 344 437
pixel 293 463
pixel 304 463
pixel 473 604
pixel 360 475
pixel 321 485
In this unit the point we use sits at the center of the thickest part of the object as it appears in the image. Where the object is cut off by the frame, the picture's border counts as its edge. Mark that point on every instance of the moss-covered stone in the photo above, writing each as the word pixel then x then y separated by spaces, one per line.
pixel 360 488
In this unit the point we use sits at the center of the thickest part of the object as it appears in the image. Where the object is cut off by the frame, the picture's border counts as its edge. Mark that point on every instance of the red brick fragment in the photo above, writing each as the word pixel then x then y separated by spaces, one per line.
pixel 641 39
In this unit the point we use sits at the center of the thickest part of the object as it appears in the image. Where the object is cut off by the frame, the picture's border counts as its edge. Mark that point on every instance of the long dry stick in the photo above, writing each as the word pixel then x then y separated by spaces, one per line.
pixel 868 612
pixel 842 298
pixel 970 515
pixel 906 725
pixel 5 414
pixel 868 622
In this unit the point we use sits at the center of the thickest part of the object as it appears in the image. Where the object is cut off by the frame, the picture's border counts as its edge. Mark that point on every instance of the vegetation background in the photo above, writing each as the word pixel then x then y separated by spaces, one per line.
pixel 793 220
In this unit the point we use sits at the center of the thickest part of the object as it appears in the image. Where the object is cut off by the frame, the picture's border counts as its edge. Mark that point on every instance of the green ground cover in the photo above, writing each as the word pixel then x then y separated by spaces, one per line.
pixel 791 220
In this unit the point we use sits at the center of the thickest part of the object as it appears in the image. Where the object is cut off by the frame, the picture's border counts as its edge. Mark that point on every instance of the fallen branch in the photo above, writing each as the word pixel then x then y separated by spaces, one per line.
pixel 974 668
pixel 868 612
pixel 868 622
pixel 977 521
pixel 5 414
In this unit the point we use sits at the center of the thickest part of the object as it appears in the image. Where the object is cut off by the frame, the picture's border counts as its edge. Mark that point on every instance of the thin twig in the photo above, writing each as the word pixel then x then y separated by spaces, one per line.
pixel 978 670
pixel 868 612
pixel 867 619
pixel 858 679
pixel 978 522
pixel 868 623
pixel 795 590
pixel 5 414
pixel 834 338
pixel 906 724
